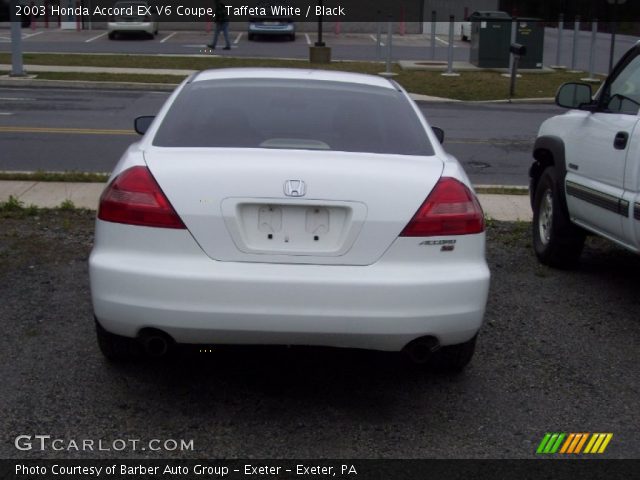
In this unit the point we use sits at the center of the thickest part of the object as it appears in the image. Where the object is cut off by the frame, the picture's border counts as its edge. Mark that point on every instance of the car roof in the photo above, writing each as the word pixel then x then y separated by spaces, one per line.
pixel 293 74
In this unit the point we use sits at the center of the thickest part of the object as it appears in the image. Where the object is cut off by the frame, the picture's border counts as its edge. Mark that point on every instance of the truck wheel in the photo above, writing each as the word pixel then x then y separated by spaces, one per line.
pixel 556 241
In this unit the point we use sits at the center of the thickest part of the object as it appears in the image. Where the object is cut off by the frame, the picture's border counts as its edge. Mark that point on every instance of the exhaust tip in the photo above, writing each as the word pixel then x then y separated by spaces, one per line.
pixel 156 343
pixel 420 350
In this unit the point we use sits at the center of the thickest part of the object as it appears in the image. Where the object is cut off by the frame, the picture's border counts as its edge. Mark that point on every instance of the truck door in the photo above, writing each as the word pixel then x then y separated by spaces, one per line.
pixel 597 150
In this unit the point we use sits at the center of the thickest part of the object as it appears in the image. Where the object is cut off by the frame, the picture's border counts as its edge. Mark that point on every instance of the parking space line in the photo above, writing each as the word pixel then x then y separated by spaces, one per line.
pixel 168 37
pixel 442 41
pixel 375 40
pixel 6 113
pixel 66 131
pixel 16 99
pixel 96 37
pixel 235 42
pixel 29 35
pixel 306 36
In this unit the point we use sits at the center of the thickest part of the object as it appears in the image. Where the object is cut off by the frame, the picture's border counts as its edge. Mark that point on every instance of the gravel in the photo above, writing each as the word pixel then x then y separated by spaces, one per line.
pixel 558 353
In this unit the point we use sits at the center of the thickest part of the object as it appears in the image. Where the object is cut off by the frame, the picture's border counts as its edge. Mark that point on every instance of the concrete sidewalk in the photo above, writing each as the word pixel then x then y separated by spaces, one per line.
pixel 508 208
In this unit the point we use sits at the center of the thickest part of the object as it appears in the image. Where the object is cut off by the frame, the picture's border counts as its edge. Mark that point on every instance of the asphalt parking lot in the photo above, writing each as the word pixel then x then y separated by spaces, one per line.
pixel 355 46
pixel 558 352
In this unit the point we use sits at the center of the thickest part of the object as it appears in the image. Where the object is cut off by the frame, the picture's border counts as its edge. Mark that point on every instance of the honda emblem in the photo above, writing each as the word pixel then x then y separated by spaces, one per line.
pixel 295 188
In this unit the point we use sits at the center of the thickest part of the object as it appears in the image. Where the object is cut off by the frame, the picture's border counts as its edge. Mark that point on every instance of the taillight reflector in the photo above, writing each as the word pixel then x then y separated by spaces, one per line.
pixel 450 209
pixel 135 198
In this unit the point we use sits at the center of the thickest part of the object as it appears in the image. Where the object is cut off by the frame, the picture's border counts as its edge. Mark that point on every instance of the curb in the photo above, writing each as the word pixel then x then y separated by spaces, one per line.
pixel 88 85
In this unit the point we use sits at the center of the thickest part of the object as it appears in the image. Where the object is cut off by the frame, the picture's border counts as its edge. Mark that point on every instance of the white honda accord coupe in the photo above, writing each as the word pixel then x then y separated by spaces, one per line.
pixel 289 207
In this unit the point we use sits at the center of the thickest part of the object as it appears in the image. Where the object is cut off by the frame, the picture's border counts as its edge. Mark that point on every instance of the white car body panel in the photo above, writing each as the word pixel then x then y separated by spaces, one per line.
pixel 588 140
pixel 374 290
pixel 383 306
pixel 204 187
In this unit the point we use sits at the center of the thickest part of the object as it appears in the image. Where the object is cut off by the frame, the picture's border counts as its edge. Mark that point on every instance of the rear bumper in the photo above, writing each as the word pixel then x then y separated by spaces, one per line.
pixel 288 29
pixel 195 299
pixel 147 27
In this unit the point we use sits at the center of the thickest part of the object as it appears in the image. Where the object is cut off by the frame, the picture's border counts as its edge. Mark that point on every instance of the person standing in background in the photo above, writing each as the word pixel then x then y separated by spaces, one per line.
pixel 222 25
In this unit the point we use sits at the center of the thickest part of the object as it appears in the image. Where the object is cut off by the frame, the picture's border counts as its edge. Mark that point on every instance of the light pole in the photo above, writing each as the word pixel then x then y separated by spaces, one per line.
pixel 615 4
pixel 16 41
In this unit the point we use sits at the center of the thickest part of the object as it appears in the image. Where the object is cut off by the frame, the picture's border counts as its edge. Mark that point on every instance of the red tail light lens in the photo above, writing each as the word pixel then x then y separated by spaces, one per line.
pixel 450 209
pixel 135 198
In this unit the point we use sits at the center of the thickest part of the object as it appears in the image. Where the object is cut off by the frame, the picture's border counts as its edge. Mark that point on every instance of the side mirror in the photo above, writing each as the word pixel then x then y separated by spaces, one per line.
pixel 142 124
pixel 439 133
pixel 574 95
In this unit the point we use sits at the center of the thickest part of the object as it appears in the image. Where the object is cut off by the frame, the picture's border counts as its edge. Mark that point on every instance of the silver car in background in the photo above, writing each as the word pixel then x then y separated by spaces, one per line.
pixel 134 21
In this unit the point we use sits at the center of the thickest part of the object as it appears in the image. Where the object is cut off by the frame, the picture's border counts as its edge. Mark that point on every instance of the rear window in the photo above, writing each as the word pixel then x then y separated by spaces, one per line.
pixel 293 114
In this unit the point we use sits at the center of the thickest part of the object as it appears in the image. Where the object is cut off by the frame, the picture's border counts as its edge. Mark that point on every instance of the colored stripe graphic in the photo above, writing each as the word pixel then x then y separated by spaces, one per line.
pixel 550 443
pixel 543 443
pixel 573 443
pixel 598 442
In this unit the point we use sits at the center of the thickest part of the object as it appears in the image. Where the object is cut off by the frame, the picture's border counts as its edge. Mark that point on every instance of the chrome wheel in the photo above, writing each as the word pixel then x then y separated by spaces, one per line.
pixel 545 218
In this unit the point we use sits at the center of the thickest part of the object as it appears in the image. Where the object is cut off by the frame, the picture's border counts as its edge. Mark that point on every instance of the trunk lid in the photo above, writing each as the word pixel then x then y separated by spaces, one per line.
pixel 291 206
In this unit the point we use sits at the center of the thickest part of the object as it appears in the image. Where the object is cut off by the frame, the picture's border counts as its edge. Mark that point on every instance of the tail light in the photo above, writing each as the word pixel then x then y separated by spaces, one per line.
pixel 450 209
pixel 135 198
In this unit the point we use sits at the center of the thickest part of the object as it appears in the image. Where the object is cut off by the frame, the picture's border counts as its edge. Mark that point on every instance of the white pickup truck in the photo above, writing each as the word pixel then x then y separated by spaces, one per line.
pixel 586 173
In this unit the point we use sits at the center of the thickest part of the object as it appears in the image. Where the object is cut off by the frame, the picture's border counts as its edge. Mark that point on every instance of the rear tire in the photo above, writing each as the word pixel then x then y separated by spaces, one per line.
pixel 116 348
pixel 556 241
pixel 453 358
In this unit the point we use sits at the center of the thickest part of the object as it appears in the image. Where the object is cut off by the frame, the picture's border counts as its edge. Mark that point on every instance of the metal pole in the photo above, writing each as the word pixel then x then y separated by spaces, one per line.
pixel 514 75
pixel 450 53
pixel 389 35
pixel 433 34
pixel 514 31
pixel 379 41
pixel 592 55
pixel 613 34
pixel 576 32
pixel 560 30
pixel 16 42
pixel 320 43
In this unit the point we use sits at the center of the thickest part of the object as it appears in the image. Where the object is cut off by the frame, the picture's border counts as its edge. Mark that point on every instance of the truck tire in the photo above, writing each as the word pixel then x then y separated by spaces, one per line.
pixel 556 241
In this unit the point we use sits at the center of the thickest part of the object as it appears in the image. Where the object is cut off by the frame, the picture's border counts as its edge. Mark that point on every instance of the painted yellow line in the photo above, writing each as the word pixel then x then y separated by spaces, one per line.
pixel 488 142
pixel 69 131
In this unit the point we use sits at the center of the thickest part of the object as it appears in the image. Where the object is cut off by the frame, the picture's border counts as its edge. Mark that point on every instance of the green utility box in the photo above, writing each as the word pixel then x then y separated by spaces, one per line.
pixel 490 39
pixel 530 33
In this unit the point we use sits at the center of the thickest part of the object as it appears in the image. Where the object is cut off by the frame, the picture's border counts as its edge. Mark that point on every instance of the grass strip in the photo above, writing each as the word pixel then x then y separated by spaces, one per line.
pixel 42 176
pixel 469 86
pixel 502 190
